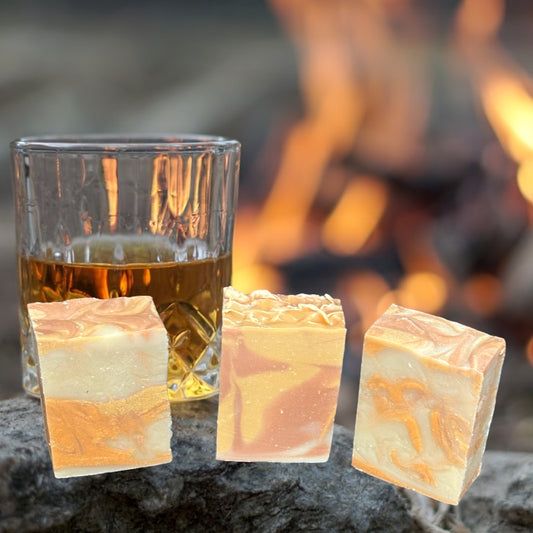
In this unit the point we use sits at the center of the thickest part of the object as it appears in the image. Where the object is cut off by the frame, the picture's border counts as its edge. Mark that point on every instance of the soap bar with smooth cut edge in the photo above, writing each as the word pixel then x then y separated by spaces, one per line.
pixel 279 378
pixel 102 367
pixel 426 398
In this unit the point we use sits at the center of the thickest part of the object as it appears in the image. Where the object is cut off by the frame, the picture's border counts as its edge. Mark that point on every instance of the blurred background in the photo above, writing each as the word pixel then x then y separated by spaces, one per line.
pixel 387 148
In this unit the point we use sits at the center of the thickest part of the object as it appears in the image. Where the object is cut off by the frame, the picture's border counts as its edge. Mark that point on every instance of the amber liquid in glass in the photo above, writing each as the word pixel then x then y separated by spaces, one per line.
pixel 186 293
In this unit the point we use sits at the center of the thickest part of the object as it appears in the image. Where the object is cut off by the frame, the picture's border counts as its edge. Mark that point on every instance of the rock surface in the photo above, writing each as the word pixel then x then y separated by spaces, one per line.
pixel 501 499
pixel 197 493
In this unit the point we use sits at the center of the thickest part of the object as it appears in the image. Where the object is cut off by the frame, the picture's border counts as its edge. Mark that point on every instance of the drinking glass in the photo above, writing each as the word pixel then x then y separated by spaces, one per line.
pixel 109 216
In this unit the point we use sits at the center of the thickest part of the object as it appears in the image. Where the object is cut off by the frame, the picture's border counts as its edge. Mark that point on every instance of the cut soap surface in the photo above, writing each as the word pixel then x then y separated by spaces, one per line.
pixel 102 368
pixel 279 378
pixel 426 398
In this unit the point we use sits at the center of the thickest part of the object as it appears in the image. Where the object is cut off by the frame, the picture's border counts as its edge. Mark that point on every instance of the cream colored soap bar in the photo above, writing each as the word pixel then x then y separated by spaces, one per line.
pixel 279 378
pixel 103 375
pixel 426 398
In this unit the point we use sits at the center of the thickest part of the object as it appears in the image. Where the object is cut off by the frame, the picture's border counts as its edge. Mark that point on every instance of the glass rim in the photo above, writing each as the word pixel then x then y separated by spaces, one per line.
pixel 130 143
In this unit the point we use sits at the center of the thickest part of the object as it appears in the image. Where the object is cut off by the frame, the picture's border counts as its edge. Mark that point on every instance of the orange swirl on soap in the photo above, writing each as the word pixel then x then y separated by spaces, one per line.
pixel 262 308
pixel 102 434
pixel 426 398
pixel 279 380
pixel 84 317
pixel 436 338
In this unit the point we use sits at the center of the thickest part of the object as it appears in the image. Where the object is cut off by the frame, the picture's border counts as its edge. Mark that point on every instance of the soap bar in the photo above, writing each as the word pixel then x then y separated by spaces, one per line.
pixel 426 398
pixel 280 372
pixel 102 367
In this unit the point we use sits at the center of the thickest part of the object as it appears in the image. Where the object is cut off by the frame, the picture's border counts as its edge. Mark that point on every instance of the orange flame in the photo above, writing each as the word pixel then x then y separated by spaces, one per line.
pixel 529 351
pixel 361 95
pixel 509 108
pixel 356 216
pixel 504 88
pixel 334 108
pixel 248 272
pixel 524 178
pixel 347 80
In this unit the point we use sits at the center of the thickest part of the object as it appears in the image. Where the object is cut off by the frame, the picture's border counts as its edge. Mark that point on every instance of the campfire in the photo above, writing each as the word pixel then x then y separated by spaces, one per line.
pixel 407 176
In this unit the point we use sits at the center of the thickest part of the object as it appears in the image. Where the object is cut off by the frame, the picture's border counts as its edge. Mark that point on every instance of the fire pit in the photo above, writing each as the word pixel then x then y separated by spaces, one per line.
pixel 405 178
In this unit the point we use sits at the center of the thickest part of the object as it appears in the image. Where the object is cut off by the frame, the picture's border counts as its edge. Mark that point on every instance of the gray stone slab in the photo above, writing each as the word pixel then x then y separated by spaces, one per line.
pixel 193 493
pixel 501 499
pixel 197 493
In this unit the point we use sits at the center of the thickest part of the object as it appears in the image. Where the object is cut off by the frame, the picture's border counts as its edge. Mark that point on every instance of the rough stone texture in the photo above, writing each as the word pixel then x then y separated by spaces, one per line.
pixel 197 493
pixel 193 493
pixel 499 501
pixel 502 498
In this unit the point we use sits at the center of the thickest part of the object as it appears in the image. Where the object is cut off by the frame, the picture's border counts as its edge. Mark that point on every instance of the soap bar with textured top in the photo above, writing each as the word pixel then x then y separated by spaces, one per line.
pixel 426 398
pixel 279 377
pixel 102 368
